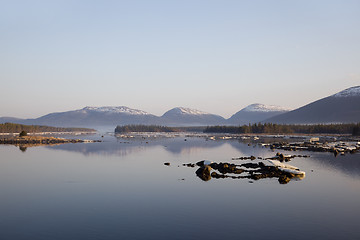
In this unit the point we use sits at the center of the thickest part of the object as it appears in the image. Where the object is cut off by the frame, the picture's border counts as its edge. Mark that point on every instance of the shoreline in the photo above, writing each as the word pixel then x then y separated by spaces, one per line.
pixel 39 140
pixel 236 135
pixel 50 133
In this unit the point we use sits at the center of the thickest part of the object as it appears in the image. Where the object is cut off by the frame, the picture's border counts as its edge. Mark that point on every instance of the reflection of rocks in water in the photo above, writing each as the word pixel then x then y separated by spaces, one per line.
pixel 287 158
pixel 22 148
pixel 254 171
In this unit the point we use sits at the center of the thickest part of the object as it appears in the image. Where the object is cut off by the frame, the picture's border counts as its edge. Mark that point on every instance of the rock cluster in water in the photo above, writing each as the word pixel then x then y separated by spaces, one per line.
pixel 334 147
pixel 254 171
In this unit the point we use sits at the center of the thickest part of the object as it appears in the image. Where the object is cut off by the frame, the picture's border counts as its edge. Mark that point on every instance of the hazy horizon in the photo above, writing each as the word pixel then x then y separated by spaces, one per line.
pixel 215 56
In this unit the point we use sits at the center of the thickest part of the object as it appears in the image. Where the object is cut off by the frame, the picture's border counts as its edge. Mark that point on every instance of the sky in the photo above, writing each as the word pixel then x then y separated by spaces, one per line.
pixel 215 56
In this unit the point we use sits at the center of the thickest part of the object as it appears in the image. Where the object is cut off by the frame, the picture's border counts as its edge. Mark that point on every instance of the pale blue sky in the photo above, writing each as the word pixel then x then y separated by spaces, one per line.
pixel 216 56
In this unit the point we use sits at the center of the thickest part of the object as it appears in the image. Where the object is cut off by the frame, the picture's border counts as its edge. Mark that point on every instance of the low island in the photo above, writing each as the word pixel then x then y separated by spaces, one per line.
pixel 29 135
pixel 39 140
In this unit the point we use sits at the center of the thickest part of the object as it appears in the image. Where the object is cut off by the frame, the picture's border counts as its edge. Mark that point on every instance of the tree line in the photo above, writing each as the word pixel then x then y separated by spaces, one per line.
pixel 17 128
pixel 145 128
pixel 271 128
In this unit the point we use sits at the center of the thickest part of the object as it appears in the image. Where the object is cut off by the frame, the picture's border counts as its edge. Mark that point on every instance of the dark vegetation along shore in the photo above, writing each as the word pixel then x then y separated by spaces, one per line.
pixel 39 140
pixel 270 128
pixel 257 128
pixel 155 128
pixel 17 128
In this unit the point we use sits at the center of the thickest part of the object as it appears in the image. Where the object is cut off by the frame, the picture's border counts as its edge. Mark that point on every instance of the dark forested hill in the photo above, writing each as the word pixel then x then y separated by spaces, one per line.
pixel 343 107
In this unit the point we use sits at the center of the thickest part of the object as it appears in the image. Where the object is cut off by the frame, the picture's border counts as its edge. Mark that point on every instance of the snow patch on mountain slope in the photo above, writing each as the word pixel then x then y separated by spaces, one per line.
pixel 257 107
pixel 188 111
pixel 116 109
pixel 349 92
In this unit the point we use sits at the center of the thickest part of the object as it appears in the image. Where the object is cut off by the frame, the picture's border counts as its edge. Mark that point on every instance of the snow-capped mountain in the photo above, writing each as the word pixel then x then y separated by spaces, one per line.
pixel 258 107
pixel 349 92
pixel 342 107
pixel 108 117
pixel 116 109
pixel 255 113
pixel 97 116
pixel 186 116
pixel 190 111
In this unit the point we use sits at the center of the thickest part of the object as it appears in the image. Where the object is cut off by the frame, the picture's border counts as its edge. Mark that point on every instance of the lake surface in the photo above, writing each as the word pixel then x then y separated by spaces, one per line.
pixel 121 189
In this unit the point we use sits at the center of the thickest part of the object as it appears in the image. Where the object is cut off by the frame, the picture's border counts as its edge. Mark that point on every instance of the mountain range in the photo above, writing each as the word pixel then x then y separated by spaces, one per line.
pixel 343 107
pixel 96 117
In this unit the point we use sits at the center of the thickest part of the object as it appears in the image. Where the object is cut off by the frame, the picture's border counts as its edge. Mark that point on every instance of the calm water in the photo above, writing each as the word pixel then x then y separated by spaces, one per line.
pixel 120 189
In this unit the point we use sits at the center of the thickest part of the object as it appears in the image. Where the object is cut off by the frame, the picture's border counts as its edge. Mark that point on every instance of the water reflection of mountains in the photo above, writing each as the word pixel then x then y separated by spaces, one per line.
pixel 123 147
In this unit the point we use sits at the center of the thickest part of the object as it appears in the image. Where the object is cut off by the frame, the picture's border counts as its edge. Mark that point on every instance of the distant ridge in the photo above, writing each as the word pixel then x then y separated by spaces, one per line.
pixel 258 107
pixel 121 115
pixel 116 109
pixel 342 107
pixel 98 116
pixel 181 116
pixel 255 113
